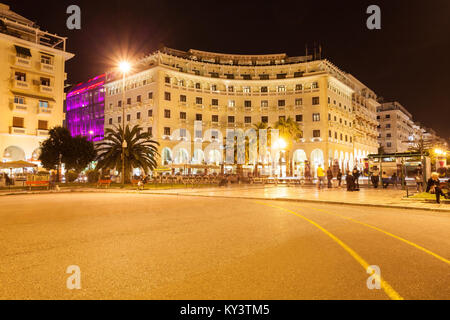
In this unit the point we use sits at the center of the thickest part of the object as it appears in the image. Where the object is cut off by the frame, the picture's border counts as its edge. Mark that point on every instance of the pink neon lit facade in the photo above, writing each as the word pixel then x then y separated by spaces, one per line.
pixel 85 109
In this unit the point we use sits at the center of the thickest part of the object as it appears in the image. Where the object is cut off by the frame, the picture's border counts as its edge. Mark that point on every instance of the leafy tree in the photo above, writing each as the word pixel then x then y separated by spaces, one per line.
pixel 80 155
pixel 55 149
pixel 260 126
pixel 141 151
pixel 290 131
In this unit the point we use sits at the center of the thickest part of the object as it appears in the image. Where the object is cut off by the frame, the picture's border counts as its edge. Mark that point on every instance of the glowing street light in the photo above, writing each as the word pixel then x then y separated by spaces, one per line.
pixel 124 66
pixel 280 144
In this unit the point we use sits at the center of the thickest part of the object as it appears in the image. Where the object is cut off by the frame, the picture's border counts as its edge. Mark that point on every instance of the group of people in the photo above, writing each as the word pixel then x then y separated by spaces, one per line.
pixel 434 186
pixel 352 178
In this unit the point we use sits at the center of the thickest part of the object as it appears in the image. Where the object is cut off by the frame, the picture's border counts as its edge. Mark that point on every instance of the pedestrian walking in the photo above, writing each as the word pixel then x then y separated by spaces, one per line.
pixel 339 178
pixel 375 177
pixel 394 180
pixel 356 173
pixel 419 181
pixel 350 181
pixel 434 187
pixel 385 179
pixel 320 177
pixel 330 178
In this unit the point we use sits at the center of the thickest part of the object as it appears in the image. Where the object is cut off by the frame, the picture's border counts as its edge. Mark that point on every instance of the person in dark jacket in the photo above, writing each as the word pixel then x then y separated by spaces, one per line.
pixel 339 177
pixel 375 177
pixel 329 177
pixel 356 175
pixel 350 180
pixel 434 186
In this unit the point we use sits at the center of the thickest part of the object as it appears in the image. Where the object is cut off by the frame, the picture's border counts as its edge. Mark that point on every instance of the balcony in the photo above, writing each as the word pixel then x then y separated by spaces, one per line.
pixel 46 89
pixel 18 84
pixel 42 132
pixel 44 111
pixel 49 68
pixel 19 107
pixel 23 62
pixel 17 130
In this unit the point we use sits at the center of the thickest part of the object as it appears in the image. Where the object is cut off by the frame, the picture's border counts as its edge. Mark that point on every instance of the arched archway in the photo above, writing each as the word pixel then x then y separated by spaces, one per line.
pixel 13 153
pixel 181 156
pixel 316 160
pixel 299 159
pixel 199 156
pixel 35 155
pixel 166 155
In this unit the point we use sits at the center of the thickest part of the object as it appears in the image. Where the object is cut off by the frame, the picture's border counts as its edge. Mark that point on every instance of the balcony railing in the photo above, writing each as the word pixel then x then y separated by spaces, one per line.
pixel 21 84
pixel 23 62
pixel 17 130
pixel 42 132
pixel 44 110
pixel 47 67
pixel 46 89
pixel 19 107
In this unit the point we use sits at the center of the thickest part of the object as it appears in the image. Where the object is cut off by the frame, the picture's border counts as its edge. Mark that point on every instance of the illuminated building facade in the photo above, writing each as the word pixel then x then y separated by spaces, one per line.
pixel 85 106
pixel 170 91
pixel 32 88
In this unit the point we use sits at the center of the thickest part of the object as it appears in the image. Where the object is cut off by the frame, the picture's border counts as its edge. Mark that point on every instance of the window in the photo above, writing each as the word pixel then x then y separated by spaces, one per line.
pixel 198 117
pixel 43 104
pixel 230 76
pixel 119 103
pixel 150 131
pixel 264 89
pixel 42 125
pixel 281 89
pixel 335 135
pixel 214 75
pixel 315 101
pixel 182 98
pixel 315 85
pixel 150 113
pixel 19 100
pixel 138 115
pixel 246 89
pixel 215 102
pixel 329 134
pixel 246 77
pixel 388 135
pixel 215 118
pixel 247 103
pixel 298 74
pixel 182 133
pixel 129 101
pixel 167 131
pixel 298 101
pixel 329 117
pixel 183 115
pixel 167 113
pixel 316 133
pixel 388 126
pixel 150 95
pixel 119 119
pixel 167 79
pixel 198 100
pixel 316 117
pixel 214 87
pixel 198 134
pixel 281 103
pixel 299 117
pixel 19 76
pixel 198 85
pixel 230 89
pixel 46 60
pixel 45 82
pixel 281 76
pixel 230 119
pixel 231 103
pixel 351 140
pixel 18 122
pixel 110 120
pixel 389 144
pixel 298 87
pixel 282 118
pixel 341 136
pixel 264 104
pixel 265 119
pixel 167 96
pixel 388 116
pixel 248 119
pixel 181 83
pixel 128 117
pixel 346 138
pixel 264 76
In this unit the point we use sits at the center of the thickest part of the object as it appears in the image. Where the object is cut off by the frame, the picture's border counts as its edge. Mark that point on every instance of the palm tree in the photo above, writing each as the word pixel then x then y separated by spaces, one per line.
pixel 141 151
pixel 290 131
pixel 260 126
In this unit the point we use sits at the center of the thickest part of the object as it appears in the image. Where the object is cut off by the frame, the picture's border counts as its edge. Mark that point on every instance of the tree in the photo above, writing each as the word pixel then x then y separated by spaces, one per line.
pixel 260 126
pixel 141 151
pixel 80 155
pixel 290 131
pixel 55 149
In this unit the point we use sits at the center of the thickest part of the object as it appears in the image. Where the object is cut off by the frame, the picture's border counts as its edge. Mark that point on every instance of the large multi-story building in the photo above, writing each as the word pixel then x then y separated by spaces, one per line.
pixel 170 91
pixel 396 128
pixel 32 87
pixel 85 106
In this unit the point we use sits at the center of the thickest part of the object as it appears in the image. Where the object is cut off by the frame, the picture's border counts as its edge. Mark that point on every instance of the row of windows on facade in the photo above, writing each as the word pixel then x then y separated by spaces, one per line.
pixel 19 122
pixel 45 59
pixel 21 100
pixel 21 76
pixel 263 76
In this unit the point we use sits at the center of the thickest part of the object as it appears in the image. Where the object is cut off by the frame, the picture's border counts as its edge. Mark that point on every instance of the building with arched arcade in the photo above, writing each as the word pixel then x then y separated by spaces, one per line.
pixel 188 101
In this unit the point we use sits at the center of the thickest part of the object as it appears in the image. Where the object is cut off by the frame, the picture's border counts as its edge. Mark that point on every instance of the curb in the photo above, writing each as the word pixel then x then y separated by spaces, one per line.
pixel 233 197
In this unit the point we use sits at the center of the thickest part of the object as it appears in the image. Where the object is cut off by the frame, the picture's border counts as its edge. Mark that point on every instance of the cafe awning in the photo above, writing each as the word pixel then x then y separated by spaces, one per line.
pixel 17 164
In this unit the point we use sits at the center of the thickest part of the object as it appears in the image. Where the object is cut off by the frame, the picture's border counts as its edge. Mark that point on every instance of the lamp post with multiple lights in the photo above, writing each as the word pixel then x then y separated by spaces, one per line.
pixel 124 67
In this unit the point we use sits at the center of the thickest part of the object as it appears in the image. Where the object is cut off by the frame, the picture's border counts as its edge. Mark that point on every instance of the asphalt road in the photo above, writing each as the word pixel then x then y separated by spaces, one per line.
pixel 132 246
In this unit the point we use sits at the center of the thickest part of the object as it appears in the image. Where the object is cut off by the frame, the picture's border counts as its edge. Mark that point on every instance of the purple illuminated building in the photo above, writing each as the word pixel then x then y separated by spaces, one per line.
pixel 85 109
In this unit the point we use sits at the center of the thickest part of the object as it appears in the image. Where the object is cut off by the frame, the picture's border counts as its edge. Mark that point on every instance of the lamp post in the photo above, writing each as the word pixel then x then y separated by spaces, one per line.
pixel 125 68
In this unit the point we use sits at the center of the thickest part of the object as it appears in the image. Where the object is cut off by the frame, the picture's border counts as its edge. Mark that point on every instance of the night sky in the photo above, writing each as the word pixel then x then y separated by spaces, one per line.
pixel 408 60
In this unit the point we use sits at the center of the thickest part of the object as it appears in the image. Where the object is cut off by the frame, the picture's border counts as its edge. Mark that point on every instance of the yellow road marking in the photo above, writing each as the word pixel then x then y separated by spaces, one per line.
pixel 391 293
pixel 385 232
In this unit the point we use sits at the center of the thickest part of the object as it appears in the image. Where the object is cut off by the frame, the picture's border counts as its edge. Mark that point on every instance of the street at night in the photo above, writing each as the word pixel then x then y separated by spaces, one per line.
pixel 142 246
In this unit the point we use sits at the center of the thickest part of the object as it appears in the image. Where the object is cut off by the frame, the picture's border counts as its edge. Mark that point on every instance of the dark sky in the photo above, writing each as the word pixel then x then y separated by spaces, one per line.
pixel 408 60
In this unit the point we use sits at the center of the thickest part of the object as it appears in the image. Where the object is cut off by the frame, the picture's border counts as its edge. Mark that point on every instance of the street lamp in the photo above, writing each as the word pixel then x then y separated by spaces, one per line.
pixel 124 67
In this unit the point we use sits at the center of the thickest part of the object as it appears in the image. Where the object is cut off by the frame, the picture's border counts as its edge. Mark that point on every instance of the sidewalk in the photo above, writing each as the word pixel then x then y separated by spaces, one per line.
pixel 390 198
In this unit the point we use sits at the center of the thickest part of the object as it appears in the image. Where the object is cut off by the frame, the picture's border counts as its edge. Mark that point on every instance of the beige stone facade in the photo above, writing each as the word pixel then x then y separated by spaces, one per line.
pixel 170 90
pixel 32 85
